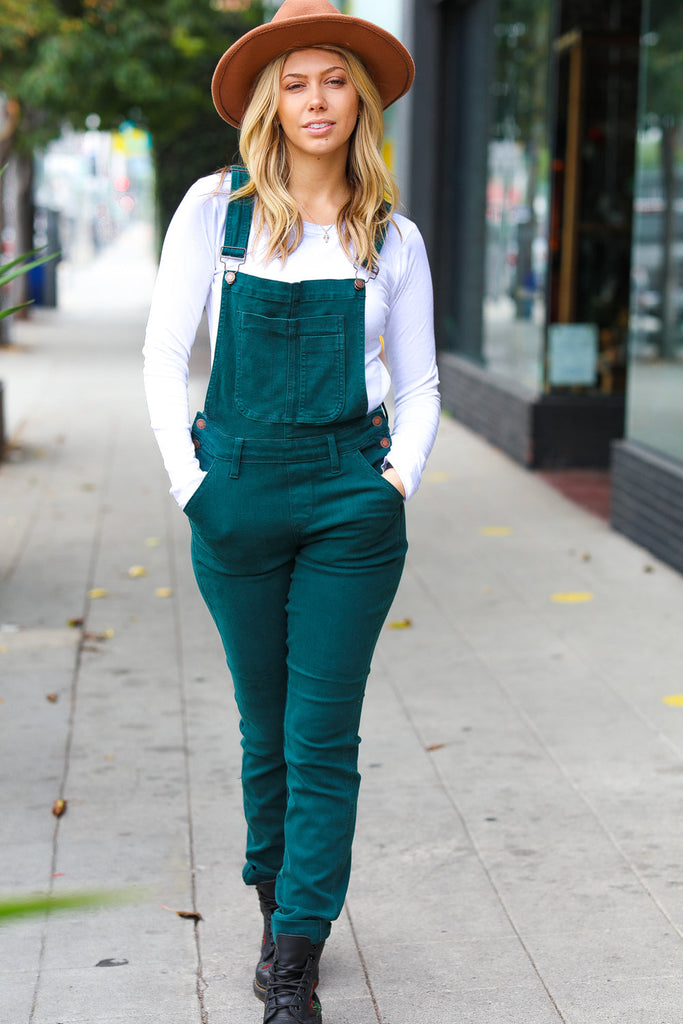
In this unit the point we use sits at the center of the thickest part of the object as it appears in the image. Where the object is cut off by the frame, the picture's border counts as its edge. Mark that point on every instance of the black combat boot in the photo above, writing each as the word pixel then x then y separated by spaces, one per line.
pixel 291 997
pixel 266 898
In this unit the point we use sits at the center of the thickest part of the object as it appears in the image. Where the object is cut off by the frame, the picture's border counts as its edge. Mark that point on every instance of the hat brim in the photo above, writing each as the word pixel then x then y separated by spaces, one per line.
pixel 388 61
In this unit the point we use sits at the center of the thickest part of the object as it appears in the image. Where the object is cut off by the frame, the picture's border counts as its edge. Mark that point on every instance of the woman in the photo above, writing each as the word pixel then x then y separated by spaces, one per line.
pixel 318 297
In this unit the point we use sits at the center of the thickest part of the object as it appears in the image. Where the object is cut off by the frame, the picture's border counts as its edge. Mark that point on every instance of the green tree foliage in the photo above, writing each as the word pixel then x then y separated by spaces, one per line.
pixel 520 87
pixel 662 74
pixel 145 61
pixel 663 38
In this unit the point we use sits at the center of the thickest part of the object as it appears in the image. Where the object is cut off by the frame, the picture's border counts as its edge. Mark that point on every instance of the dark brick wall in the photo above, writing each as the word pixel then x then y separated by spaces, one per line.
pixel 576 431
pixel 499 413
pixel 541 432
pixel 647 500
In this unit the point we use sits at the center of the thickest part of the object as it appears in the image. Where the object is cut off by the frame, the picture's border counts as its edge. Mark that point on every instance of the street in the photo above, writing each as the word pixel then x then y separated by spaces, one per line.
pixel 519 843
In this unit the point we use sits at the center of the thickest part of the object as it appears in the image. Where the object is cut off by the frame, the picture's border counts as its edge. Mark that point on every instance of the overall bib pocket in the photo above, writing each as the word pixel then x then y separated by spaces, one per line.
pixel 306 355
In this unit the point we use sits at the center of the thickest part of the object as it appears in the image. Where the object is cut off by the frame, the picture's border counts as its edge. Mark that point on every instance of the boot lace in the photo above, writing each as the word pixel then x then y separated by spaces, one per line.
pixel 287 987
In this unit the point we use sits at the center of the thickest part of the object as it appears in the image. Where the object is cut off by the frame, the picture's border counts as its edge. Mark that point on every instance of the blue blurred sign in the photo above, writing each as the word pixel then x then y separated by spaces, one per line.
pixel 572 354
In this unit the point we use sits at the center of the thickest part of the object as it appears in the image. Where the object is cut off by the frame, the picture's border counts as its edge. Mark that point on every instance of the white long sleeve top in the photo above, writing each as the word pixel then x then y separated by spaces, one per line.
pixel 399 328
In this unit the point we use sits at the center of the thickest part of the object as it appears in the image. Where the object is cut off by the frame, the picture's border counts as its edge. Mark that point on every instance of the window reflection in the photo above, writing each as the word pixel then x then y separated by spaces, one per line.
pixel 518 194
pixel 655 388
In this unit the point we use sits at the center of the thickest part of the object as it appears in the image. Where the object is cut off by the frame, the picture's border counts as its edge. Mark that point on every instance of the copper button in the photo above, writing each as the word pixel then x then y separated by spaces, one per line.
pixel 196 443
pixel 385 443
pixel 377 421
pixel 201 424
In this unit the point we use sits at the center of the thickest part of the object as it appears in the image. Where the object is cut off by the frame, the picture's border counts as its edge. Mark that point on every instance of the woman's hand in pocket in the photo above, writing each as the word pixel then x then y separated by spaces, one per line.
pixel 392 477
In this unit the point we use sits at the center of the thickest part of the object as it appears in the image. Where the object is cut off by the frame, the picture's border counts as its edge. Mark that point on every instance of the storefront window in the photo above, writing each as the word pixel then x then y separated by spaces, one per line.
pixel 655 379
pixel 518 193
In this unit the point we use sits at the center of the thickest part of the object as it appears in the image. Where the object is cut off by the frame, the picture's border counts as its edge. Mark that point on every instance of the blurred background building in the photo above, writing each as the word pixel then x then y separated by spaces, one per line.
pixel 546 173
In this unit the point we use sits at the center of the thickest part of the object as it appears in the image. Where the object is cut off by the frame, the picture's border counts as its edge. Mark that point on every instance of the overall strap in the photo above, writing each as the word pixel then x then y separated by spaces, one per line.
pixel 368 271
pixel 238 220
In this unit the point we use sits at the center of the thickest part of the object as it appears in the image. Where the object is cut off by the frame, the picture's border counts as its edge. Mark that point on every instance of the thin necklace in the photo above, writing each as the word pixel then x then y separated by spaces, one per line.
pixel 326 228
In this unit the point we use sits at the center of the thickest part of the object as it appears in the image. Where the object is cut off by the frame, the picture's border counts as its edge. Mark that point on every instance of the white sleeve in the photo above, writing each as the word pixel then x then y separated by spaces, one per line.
pixel 180 294
pixel 410 352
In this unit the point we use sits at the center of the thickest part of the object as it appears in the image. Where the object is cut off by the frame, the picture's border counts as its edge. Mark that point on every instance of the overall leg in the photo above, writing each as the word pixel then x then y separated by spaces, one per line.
pixel 243 568
pixel 342 587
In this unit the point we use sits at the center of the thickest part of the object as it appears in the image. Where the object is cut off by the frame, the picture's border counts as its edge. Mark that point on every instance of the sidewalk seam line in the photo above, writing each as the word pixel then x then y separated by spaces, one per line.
pixel 363 964
pixel 201 981
pixel 73 699
pixel 451 800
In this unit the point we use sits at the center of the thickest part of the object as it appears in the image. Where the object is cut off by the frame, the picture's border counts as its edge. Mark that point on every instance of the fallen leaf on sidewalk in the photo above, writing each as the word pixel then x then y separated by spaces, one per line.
pixel 435 746
pixel 136 571
pixel 58 808
pixel 572 597
pixel 97 592
pixel 401 624
pixel 187 915
pixel 163 592
pixel 74 623
pixel 152 542
pixel 107 634
pixel 675 700
pixel 495 531
pixel 52 697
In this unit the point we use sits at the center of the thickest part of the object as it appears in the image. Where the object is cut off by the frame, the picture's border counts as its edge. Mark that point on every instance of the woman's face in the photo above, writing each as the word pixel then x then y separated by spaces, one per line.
pixel 319 104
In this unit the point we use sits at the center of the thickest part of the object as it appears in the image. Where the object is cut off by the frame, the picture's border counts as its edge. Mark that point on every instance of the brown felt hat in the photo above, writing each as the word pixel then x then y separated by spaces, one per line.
pixel 307 23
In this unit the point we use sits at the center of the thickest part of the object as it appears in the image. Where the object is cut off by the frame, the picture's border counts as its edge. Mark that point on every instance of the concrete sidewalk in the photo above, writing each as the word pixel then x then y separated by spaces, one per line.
pixel 519 845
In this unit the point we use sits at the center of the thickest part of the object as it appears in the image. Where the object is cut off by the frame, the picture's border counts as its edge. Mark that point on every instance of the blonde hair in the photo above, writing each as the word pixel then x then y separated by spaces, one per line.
pixel 363 220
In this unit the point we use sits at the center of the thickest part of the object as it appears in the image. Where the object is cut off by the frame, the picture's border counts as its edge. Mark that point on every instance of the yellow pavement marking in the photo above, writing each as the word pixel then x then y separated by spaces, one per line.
pixel 573 597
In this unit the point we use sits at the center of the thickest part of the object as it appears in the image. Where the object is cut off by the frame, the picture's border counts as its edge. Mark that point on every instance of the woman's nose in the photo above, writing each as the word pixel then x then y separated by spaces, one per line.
pixel 317 101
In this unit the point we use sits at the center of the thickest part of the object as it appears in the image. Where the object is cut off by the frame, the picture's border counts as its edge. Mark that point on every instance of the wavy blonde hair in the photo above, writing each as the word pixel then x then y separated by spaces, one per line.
pixel 363 220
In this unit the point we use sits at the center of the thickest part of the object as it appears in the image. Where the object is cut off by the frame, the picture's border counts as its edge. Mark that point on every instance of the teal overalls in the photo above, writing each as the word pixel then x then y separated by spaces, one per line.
pixel 298 546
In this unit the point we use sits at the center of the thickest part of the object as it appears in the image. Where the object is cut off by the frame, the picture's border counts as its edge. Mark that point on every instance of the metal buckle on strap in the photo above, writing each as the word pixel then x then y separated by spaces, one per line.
pixel 360 281
pixel 232 262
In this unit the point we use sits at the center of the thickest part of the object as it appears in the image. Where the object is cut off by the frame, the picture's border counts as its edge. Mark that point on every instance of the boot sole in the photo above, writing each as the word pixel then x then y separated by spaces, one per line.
pixel 259 992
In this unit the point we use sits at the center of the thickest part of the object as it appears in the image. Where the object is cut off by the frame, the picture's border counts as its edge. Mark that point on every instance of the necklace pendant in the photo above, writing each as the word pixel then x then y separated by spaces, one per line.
pixel 326 235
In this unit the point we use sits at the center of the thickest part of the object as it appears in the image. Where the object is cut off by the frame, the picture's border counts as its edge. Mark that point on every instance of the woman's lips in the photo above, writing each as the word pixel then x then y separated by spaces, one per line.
pixel 318 127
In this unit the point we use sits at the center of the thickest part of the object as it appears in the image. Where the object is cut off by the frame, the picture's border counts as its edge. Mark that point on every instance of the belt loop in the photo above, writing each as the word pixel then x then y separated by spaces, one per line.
pixel 334 455
pixel 236 457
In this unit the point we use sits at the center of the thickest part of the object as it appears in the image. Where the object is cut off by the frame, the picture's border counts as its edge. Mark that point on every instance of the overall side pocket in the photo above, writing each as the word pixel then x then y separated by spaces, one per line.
pixel 197 499
pixel 371 466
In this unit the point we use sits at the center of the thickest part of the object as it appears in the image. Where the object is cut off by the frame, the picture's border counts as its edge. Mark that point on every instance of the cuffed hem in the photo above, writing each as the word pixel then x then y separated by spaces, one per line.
pixel 313 928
